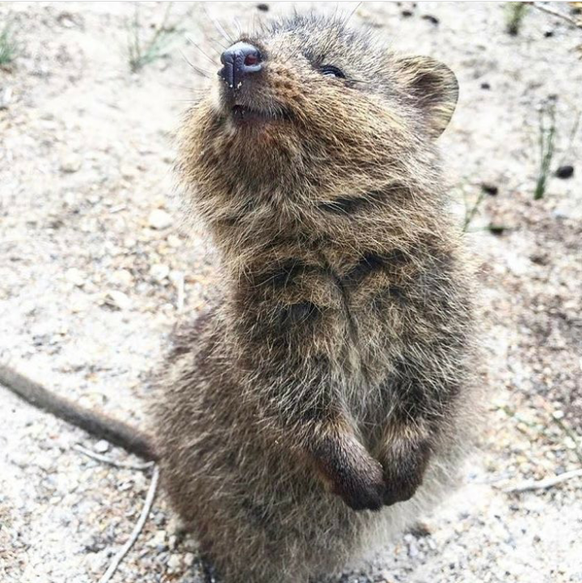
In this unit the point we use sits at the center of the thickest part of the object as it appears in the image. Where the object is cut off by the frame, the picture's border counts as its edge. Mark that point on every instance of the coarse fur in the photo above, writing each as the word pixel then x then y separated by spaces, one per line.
pixel 326 397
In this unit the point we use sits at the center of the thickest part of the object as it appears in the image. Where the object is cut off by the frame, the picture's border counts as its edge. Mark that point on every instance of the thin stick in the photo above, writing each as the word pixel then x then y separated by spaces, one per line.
pixel 548 10
pixel 179 283
pixel 110 461
pixel 546 483
pixel 136 530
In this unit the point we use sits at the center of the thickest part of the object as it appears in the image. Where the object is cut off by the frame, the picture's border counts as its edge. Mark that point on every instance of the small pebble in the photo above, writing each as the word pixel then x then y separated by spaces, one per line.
pixel 539 259
pixel 159 271
pixel 75 276
pixel 158 539
pixel 159 518
pixel 566 171
pixel 432 19
pixel 117 299
pixel 489 188
pixel 128 172
pixel 101 446
pixel 570 443
pixel 122 277
pixel 159 219
pixel 71 163
pixel 5 98
pixel 263 7
pixel 496 229
pixel 568 209
pixel 174 562
pixel 177 277
pixel 174 241
pixel 66 20
pixel 97 561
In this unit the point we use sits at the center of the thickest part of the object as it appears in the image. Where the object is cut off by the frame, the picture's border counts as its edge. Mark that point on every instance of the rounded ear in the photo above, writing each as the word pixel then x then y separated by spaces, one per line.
pixel 432 88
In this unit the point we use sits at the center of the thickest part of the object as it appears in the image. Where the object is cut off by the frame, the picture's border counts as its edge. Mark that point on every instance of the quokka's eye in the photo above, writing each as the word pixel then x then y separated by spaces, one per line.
pixel 331 71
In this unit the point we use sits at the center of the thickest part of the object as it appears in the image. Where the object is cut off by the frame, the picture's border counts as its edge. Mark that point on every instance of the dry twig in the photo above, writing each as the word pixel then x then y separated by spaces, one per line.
pixel 110 461
pixel 559 14
pixel 545 483
pixel 178 281
pixel 136 530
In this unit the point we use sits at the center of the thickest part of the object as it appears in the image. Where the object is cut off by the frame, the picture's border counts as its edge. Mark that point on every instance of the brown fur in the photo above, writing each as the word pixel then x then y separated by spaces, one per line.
pixel 333 373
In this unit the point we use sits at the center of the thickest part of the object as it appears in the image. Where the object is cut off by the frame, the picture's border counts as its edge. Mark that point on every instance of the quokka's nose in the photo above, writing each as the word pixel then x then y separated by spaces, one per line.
pixel 239 60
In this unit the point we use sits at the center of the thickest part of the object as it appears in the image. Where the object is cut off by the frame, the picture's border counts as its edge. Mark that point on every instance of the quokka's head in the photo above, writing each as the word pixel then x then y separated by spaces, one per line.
pixel 310 106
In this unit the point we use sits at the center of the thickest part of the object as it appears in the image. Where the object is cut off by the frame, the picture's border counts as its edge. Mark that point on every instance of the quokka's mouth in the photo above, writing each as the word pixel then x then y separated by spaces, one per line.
pixel 243 114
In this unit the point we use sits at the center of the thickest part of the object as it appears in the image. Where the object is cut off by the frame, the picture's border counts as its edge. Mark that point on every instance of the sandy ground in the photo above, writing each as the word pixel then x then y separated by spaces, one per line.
pixel 93 252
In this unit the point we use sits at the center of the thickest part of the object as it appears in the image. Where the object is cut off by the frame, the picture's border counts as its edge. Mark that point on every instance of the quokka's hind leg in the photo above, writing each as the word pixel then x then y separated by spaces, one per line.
pixel 283 535
pixel 250 557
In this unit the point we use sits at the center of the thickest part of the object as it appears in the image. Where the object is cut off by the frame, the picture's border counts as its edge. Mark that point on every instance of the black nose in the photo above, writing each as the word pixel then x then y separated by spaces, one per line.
pixel 239 60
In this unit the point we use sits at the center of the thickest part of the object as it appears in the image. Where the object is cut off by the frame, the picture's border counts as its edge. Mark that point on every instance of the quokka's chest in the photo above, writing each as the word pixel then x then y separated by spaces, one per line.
pixel 349 319
pixel 314 295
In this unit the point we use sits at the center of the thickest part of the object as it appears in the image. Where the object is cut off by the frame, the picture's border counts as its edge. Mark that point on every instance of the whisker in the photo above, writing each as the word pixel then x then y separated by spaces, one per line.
pixel 219 28
pixel 351 14
pixel 194 67
pixel 178 86
pixel 181 100
pixel 190 41
pixel 238 26
pixel 214 48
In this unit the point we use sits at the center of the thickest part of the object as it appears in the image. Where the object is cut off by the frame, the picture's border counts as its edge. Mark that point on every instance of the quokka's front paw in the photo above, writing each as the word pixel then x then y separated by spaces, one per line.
pixel 361 488
pixel 348 470
pixel 404 472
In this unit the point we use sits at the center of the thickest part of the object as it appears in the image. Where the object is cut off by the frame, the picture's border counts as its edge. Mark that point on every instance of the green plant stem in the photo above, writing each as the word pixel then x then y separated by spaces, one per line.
pixel 547 146
pixel 470 214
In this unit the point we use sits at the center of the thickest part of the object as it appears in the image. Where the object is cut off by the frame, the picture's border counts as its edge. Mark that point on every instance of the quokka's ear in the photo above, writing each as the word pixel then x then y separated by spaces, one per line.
pixel 431 87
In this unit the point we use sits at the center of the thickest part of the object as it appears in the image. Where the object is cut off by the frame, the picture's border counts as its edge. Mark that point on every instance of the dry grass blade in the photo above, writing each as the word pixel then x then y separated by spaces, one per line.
pixel 544 484
pixel 470 212
pixel 136 530
pixel 141 53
